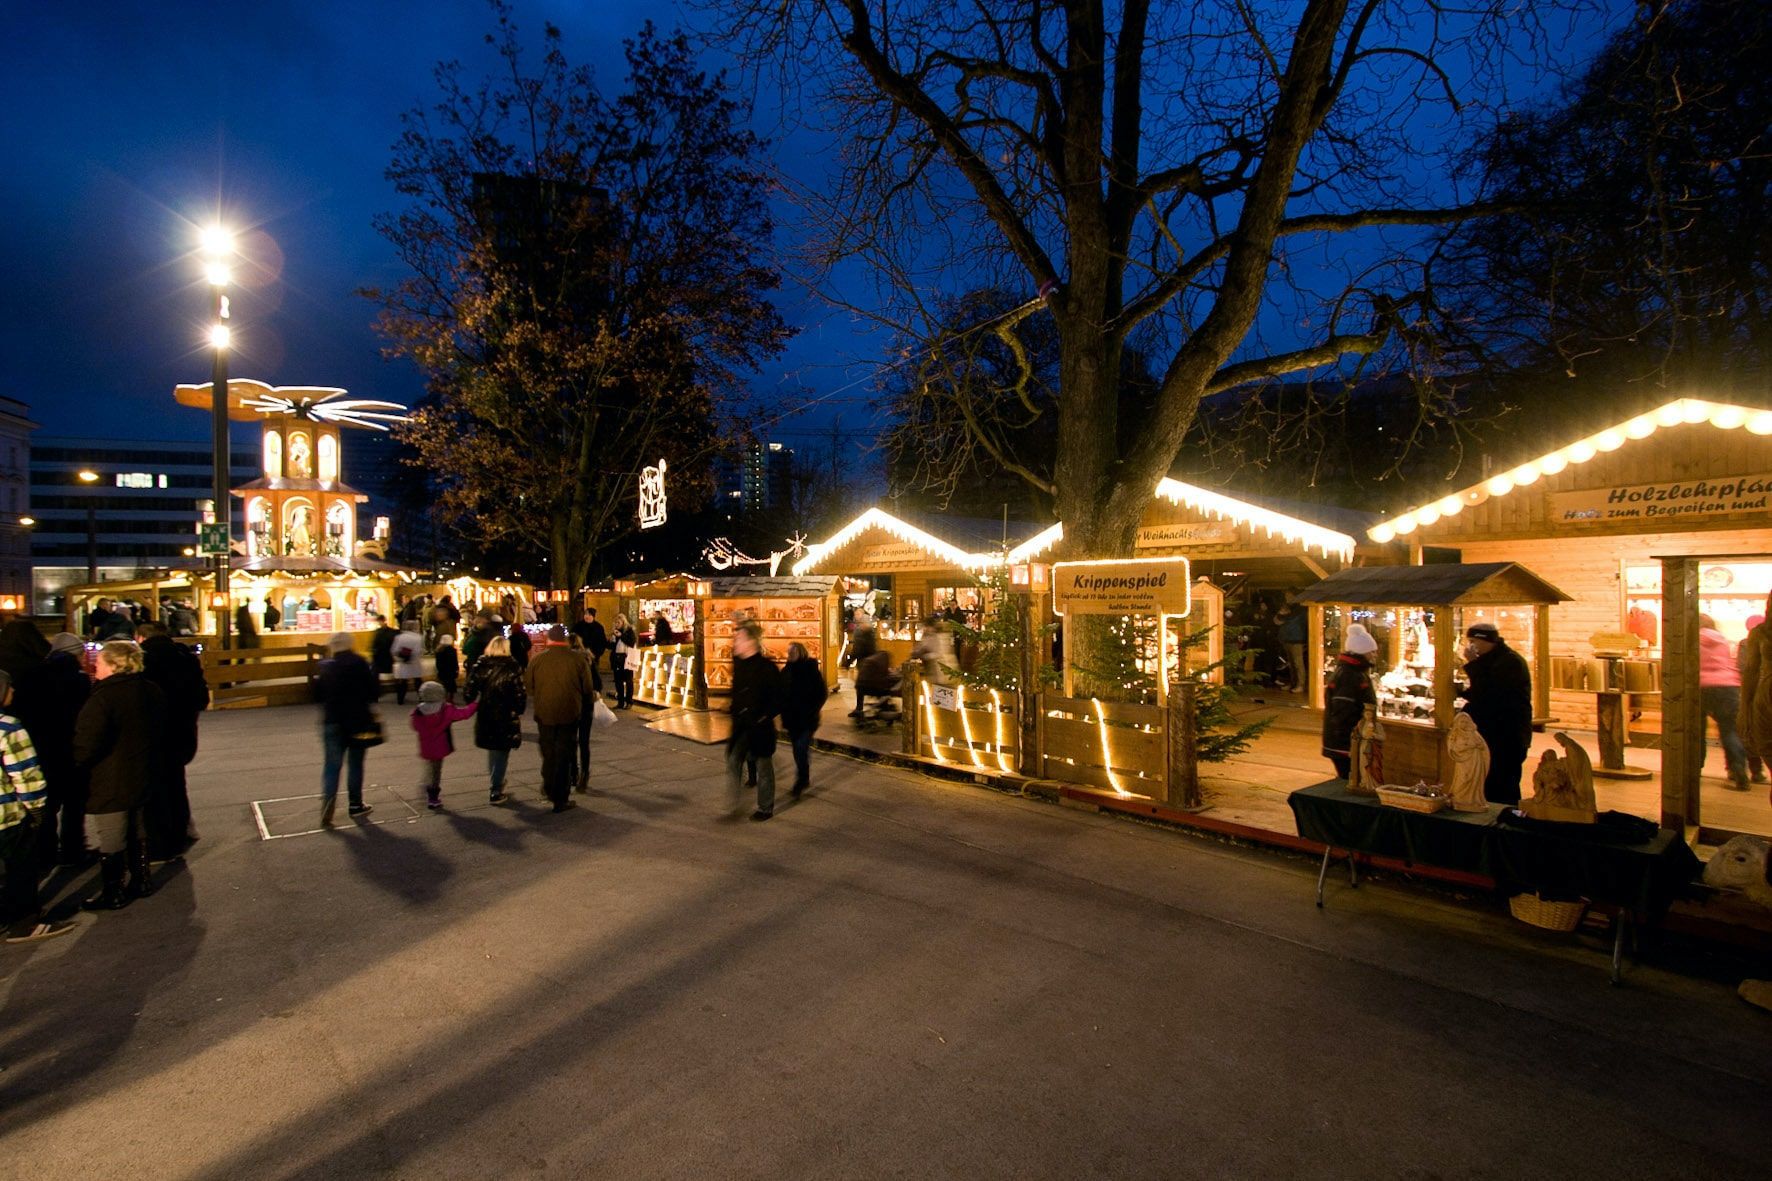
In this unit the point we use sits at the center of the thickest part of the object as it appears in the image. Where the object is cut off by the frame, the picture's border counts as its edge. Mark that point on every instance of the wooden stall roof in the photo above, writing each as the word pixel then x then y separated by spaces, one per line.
pixel 977 546
pixel 1685 440
pixel 812 586
pixel 1441 585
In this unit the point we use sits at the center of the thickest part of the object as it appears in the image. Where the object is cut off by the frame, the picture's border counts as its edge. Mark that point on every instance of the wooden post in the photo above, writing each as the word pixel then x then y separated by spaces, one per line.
pixel 1446 639
pixel 1682 707
pixel 1313 655
pixel 698 672
pixel 1026 688
pixel 910 690
pixel 1038 766
pixel 1541 662
pixel 1181 723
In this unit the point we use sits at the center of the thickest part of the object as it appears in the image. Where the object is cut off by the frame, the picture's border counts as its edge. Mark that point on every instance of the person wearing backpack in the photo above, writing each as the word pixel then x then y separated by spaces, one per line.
pixel 802 703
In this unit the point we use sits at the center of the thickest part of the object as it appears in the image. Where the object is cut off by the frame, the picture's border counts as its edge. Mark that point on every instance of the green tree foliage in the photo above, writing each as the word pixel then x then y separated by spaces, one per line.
pixel 588 281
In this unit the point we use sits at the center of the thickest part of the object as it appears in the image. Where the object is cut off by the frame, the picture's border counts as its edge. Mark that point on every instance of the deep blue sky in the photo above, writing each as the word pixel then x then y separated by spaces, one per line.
pixel 127 123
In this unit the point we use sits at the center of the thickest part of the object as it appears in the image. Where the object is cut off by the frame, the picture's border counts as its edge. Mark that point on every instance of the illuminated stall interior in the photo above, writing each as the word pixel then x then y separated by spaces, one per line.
pixel 664 674
pixel 1594 515
pixel 805 609
pixel 1418 615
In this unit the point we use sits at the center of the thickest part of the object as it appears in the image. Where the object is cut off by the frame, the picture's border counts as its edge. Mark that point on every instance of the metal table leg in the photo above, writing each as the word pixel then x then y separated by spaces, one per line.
pixel 1353 871
pixel 1322 872
pixel 1620 926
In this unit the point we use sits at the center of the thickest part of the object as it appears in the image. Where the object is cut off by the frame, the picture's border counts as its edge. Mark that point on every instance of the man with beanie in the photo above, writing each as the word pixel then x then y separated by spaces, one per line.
pixel 559 685
pixel 1350 692
pixel 1498 699
pixel 22 796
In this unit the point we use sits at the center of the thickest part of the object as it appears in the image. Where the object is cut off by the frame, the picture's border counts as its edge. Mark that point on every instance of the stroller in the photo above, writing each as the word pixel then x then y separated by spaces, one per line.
pixel 877 685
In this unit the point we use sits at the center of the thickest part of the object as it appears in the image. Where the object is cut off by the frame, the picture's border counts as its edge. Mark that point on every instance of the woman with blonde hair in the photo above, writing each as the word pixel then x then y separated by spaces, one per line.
pixel 496 684
pixel 622 643
pixel 119 742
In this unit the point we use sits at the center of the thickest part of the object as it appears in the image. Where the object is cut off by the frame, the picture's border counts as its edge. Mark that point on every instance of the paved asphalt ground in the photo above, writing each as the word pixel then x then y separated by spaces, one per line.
pixel 894 978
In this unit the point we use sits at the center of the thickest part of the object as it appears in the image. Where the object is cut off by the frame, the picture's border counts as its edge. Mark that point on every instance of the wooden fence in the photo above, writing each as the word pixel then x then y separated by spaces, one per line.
pixel 1129 749
pixel 240 677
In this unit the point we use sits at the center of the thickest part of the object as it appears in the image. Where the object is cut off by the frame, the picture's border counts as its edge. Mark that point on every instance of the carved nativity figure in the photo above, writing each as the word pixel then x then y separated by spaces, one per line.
pixel 1470 765
pixel 1563 788
pixel 1366 755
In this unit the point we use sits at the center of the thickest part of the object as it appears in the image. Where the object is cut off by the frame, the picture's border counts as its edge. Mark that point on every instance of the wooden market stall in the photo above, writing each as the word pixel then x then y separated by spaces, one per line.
pixel 1418 615
pixel 1595 515
pixel 902 572
pixel 806 609
pixel 664 674
pixel 1243 547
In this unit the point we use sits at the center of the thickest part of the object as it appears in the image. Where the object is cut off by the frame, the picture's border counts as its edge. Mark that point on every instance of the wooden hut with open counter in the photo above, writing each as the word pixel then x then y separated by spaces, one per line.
pixel 1418 615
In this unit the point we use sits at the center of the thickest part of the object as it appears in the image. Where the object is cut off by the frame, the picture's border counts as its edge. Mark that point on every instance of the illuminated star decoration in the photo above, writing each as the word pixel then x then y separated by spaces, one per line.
pixel 362 412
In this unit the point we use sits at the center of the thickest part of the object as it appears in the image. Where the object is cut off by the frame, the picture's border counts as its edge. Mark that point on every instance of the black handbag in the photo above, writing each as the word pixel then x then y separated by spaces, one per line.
pixel 370 734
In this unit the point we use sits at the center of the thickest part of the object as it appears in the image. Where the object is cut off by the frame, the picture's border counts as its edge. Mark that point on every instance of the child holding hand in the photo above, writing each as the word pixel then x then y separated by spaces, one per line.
pixel 432 719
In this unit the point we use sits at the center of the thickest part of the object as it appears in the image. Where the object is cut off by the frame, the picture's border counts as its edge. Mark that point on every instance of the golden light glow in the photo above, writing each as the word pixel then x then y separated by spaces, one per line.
pixel 219 274
pixel 87 476
pixel 1327 542
pixel 1691 411
pixel 27 522
pixel 875 518
pixel 1038 544
pixel 1107 758
pixel 219 336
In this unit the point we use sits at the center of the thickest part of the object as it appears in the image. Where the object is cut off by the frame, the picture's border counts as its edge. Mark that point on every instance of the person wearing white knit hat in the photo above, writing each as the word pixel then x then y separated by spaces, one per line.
pixel 1350 692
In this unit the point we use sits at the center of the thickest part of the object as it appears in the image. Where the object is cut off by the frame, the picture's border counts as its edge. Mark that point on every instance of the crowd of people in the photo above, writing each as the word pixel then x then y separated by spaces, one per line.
pixel 92 766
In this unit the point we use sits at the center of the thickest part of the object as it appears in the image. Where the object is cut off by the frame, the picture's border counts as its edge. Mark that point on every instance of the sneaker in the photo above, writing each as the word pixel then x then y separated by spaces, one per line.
pixel 435 805
pixel 362 809
pixel 499 797
pixel 43 929
pixel 759 814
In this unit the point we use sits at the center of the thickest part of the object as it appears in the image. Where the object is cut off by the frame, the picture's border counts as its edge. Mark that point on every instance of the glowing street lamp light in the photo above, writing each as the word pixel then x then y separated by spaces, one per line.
pixel 87 476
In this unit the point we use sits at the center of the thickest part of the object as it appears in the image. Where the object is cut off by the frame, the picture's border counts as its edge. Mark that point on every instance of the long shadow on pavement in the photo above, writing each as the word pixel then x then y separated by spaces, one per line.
pixel 115 966
pixel 405 868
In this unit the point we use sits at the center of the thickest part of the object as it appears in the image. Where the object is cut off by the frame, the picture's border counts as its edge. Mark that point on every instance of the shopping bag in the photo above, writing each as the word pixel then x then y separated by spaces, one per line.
pixel 601 714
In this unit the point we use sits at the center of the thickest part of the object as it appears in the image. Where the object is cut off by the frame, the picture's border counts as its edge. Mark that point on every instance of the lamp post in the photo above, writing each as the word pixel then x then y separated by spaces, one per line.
pixel 89 477
pixel 218 247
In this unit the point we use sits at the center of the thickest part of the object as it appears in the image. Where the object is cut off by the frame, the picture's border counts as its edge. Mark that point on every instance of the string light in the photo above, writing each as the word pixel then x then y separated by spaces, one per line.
pixel 1691 411
pixel 1325 541
pixel 876 518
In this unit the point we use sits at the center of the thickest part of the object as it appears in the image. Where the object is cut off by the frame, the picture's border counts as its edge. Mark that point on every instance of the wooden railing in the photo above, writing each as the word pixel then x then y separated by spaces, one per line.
pixel 261 676
pixel 1129 749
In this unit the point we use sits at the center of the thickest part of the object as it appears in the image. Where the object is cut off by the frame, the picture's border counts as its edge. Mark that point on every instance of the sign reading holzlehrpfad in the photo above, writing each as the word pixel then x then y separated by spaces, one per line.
pixel 1136 587
pixel 1682 499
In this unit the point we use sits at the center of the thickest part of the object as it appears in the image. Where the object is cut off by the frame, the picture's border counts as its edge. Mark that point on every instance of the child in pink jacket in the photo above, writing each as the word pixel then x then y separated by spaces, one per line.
pixel 432 719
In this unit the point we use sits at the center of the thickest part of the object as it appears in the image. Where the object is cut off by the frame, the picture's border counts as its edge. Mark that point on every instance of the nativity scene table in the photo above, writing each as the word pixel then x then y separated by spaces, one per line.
pixel 1620 862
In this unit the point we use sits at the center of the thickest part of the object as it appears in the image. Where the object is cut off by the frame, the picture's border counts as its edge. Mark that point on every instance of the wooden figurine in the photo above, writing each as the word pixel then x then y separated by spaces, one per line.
pixel 1563 788
pixel 1366 761
pixel 1470 765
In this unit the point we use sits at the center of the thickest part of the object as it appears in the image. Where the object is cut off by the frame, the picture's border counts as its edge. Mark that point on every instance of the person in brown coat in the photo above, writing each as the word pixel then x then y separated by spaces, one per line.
pixel 558 681
pixel 1754 723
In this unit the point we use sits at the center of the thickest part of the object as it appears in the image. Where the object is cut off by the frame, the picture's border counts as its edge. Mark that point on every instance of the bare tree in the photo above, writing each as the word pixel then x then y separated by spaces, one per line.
pixel 1182 178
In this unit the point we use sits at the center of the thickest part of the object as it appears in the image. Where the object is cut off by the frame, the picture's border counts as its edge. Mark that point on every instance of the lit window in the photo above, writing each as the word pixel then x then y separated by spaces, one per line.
pixel 163 479
pixel 135 479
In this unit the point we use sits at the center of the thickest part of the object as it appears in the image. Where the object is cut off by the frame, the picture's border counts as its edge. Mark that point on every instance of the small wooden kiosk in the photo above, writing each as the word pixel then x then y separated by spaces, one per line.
pixel 805 609
pixel 1418 615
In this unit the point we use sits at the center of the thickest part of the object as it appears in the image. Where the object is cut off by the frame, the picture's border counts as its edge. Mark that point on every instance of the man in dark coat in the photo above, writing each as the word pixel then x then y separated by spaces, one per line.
pixel 381 648
pixel 596 642
pixel 559 687
pixel 120 742
pixel 177 670
pixel 64 689
pixel 756 702
pixel 1499 700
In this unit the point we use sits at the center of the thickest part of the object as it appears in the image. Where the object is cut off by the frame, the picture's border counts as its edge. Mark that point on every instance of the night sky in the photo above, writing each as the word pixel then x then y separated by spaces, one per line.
pixel 128 123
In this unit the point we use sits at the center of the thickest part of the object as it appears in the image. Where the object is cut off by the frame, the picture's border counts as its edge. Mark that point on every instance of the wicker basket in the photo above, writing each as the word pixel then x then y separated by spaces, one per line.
pixel 1552 916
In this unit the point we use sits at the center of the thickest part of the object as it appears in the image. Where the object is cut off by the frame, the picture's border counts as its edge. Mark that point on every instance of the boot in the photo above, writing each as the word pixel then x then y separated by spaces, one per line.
pixel 111 897
pixel 584 782
pixel 141 876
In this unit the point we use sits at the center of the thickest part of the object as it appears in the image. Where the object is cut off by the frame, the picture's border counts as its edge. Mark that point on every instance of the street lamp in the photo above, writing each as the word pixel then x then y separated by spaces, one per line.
pixel 218 247
pixel 89 477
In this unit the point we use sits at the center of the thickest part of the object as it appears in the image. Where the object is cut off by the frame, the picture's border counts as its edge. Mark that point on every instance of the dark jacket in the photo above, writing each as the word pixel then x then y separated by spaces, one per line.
pixel 1499 698
pixel 626 636
pixel 119 741
pixel 756 700
pixel 474 644
pixel 448 665
pixel 596 639
pixel 520 645
pixel 381 650
pixel 803 696
pixel 62 689
pixel 179 673
pixel 559 684
pixel 23 654
pixel 863 644
pixel 1350 692
pixel 662 633
pixel 496 684
pixel 245 629
pixel 346 687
